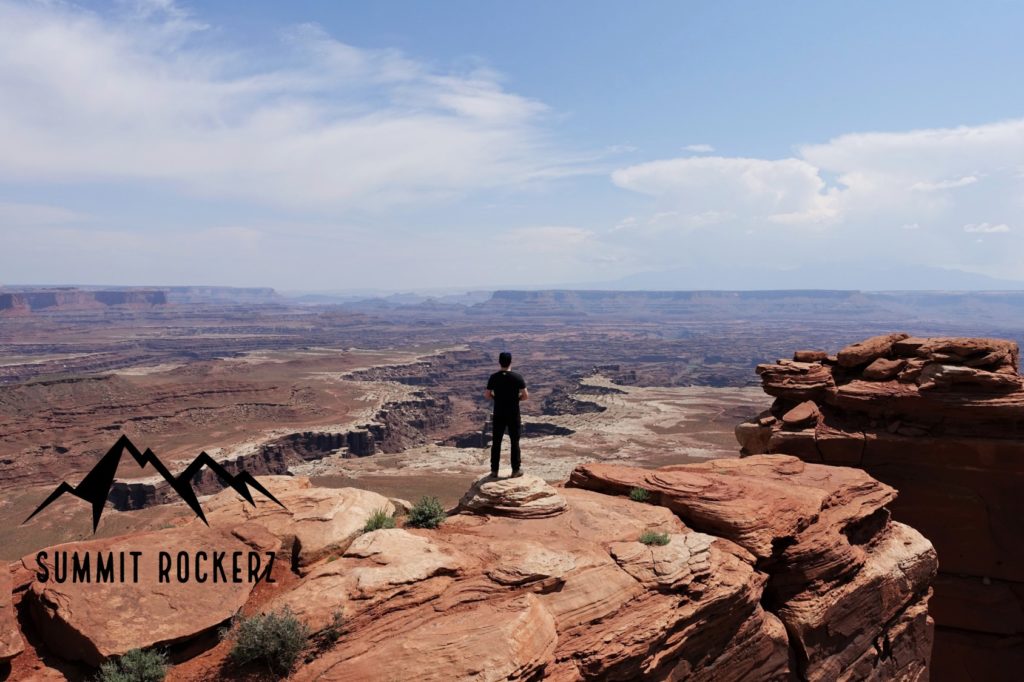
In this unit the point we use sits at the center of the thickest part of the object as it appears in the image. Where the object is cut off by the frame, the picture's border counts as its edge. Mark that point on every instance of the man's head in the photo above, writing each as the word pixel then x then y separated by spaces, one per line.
pixel 505 359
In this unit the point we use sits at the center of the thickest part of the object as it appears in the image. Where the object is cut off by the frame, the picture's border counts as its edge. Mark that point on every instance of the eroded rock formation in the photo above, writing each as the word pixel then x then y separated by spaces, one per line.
pixel 89 622
pixel 941 420
pixel 11 643
pixel 774 569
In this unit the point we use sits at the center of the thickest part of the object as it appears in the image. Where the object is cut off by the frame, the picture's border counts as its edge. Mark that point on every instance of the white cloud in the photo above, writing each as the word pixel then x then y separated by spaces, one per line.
pixel 786 191
pixel 143 96
pixel 865 194
pixel 944 184
pixel 986 228
pixel 699 148
pixel 553 238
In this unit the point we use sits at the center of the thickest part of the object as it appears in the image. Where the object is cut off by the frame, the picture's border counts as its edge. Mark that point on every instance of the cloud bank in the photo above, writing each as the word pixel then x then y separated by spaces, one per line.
pixel 898 197
pixel 148 96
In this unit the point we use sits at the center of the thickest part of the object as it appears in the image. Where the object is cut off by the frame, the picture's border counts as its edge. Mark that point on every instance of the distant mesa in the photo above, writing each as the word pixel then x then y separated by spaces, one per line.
pixel 77 299
pixel 25 300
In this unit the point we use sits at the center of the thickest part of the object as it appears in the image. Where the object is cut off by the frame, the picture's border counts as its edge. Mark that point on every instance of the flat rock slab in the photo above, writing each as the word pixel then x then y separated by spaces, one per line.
pixel 314 524
pixel 375 567
pixel 686 559
pixel 865 351
pixel 93 621
pixel 511 640
pixel 11 643
pixel 883 369
pixel 524 497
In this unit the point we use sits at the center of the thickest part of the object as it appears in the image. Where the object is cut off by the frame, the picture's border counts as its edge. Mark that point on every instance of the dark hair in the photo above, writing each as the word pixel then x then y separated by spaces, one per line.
pixel 505 358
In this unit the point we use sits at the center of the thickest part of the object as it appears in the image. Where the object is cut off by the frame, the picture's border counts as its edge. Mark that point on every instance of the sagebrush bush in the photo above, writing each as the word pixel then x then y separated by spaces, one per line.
pixel 652 537
pixel 138 665
pixel 275 639
pixel 639 495
pixel 427 513
pixel 334 630
pixel 380 518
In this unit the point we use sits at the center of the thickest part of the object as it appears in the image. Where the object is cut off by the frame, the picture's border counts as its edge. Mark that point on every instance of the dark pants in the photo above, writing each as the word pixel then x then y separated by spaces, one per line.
pixel 500 424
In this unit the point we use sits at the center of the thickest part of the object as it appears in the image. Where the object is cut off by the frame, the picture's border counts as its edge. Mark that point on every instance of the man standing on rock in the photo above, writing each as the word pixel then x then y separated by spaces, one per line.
pixel 506 388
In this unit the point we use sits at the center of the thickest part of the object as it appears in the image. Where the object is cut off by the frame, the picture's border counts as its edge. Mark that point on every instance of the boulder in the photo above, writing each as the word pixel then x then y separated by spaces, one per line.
pixel 798 381
pixel 883 369
pixel 863 352
pixel 753 436
pixel 11 643
pixel 804 414
pixel 525 497
pixel 313 524
pixel 810 356
pixel 93 621
pixel 403 506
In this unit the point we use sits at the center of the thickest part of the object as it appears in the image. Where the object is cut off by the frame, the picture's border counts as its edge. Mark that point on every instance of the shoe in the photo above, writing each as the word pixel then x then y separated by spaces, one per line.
pixel 517 473
pixel 494 474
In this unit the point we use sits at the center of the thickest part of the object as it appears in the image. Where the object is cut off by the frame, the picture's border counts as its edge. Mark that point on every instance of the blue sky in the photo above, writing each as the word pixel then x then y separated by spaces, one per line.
pixel 412 145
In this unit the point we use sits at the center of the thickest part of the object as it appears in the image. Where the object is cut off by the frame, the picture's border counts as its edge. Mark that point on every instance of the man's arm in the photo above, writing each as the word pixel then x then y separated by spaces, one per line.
pixel 489 394
pixel 523 394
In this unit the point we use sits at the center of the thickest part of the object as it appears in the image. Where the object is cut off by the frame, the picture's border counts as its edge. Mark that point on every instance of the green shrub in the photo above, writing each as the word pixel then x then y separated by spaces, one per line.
pixel 334 630
pixel 380 518
pixel 652 537
pixel 138 665
pixel 639 495
pixel 274 639
pixel 427 513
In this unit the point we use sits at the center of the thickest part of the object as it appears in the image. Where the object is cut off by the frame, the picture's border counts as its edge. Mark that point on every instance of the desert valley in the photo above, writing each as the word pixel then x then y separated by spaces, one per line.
pixel 831 515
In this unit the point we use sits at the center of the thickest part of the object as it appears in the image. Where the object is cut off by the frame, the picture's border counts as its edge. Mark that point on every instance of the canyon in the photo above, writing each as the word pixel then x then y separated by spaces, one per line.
pixel 382 399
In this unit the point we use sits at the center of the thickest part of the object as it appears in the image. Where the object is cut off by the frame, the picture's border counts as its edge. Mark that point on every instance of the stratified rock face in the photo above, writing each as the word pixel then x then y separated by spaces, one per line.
pixel 774 569
pixel 525 497
pixel 847 582
pixel 76 299
pixel 11 643
pixel 942 421
pixel 314 523
pixel 568 596
pixel 92 621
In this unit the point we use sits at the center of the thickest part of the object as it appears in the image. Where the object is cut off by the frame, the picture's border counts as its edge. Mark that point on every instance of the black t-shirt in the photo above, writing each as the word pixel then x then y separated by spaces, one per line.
pixel 506 385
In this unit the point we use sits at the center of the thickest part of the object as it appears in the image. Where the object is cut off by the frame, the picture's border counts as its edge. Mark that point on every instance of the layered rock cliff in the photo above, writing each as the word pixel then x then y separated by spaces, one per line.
pixel 940 420
pixel 769 568
pixel 76 299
